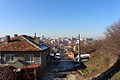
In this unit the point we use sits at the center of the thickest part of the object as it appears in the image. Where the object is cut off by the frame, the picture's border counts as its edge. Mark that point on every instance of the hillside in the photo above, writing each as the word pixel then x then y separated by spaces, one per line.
pixel 116 76
pixel 98 63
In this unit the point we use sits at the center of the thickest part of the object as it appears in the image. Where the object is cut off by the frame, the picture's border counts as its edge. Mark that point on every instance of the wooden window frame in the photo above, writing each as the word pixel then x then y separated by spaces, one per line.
pixel 30 61
pixel 11 61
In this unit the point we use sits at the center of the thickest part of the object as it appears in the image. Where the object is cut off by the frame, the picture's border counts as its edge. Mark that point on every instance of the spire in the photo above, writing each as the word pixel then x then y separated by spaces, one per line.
pixel 35 35
pixel 36 39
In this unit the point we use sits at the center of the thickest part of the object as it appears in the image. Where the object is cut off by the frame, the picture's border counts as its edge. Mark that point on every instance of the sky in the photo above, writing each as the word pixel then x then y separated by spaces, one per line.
pixel 58 18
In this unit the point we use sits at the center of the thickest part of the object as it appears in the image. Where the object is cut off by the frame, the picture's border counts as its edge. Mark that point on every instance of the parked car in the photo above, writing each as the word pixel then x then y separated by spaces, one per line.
pixel 57 56
pixel 83 58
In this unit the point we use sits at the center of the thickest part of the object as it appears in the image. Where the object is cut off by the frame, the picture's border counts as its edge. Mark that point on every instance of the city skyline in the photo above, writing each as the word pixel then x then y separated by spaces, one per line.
pixel 58 18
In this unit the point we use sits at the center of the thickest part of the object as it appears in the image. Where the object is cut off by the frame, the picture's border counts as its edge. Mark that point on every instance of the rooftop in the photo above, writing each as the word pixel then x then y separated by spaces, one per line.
pixel 22 43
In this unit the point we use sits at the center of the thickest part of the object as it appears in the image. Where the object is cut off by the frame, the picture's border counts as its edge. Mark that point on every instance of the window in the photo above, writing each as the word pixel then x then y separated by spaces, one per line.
pixel 29 58
pixel 9 57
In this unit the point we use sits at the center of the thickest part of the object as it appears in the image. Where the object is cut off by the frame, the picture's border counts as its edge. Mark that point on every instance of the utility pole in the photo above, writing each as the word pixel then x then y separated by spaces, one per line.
pixel 0 57
pixel 79 47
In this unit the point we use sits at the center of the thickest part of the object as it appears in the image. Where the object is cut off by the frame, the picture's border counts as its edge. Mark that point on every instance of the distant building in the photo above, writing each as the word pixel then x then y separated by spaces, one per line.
pixel 75 48
pixel 89 39
pixel 73 54
pixel 54 47
pixel 2 39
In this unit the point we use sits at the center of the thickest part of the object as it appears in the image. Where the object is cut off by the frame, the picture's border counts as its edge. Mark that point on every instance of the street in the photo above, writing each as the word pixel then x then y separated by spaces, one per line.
pixel 59 70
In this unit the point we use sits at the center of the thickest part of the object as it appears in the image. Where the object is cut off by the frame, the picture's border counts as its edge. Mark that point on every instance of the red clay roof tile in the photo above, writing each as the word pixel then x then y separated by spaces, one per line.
pixel 22 43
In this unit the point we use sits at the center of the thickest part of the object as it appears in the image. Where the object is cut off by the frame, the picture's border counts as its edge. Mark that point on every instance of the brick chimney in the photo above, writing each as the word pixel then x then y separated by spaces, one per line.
pixel 15 36
pixel 7 39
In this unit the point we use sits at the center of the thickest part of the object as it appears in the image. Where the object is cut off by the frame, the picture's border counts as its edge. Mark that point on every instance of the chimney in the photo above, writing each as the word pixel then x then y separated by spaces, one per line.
pixel 15 36
pixel 36 39
pixel 7 39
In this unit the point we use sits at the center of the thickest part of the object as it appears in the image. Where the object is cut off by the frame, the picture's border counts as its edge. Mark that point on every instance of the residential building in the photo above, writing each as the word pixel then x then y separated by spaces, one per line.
pixel 24 50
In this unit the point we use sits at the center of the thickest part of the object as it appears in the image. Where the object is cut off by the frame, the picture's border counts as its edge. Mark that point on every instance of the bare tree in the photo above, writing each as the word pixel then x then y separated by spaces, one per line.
pixel 112 39
pixel 90 48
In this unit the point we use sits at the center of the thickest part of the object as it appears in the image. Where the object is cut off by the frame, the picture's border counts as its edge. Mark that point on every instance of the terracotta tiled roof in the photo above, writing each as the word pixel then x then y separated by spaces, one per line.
pixel 71 44
pixel 54 45
pixel 74 52
pixel 22 43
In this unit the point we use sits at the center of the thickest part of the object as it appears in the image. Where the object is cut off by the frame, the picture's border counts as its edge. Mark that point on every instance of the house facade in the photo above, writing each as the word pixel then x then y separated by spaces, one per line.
pixel 73 54
pixel 23 50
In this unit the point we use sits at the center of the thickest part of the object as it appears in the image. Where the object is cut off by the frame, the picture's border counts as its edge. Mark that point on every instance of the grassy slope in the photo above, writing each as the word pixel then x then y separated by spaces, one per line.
pixel 116 76
pixel 98 63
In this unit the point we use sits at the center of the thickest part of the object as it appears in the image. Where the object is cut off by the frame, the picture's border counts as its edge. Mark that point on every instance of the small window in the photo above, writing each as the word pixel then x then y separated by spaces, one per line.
pixel 9 57
pixel 29 58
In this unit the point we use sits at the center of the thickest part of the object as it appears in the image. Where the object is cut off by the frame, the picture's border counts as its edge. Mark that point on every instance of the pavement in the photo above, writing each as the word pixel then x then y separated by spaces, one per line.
pixel 52 70
pixel 58 70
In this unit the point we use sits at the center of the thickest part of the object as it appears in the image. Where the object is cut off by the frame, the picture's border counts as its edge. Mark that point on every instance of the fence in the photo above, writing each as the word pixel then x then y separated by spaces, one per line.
pixel 29 72
pixel 7 73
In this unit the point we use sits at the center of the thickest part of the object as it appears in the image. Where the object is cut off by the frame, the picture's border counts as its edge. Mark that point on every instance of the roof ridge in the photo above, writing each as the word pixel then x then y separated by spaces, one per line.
pixel 30 42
